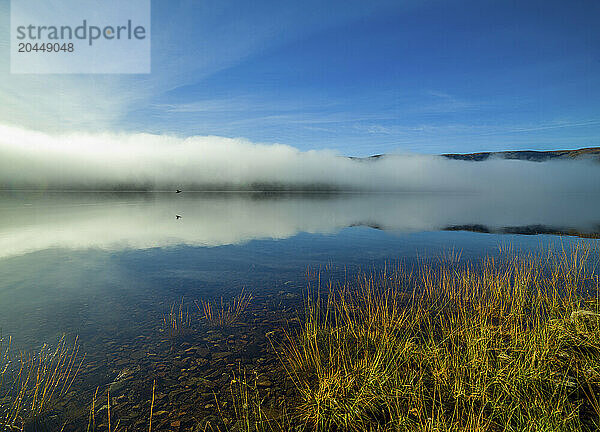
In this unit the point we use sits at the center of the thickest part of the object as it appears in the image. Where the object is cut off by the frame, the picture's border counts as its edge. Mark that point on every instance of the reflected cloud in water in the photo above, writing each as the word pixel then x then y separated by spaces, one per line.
pixel 116 221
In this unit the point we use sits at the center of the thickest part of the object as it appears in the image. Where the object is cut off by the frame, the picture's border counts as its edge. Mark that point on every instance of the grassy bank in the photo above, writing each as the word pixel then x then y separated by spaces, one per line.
pixel 505 345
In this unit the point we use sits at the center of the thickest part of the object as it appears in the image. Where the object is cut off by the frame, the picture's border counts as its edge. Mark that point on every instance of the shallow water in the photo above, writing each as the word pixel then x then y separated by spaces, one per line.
pixel 107 266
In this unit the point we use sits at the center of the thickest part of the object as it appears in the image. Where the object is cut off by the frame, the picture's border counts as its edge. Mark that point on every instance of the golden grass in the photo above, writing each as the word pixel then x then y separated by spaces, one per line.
pixel 177 321
pixel 499 346
pixel 30 384
pixel 151 406
pixel 221 314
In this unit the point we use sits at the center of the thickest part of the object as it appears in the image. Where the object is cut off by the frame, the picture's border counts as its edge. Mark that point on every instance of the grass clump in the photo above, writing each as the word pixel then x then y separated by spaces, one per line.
pixel 31 384
pixel 504 345
pixel 221 314
pixel 177 322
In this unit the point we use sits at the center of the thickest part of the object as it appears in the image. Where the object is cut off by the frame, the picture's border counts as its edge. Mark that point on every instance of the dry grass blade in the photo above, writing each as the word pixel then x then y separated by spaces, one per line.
pixel 151 406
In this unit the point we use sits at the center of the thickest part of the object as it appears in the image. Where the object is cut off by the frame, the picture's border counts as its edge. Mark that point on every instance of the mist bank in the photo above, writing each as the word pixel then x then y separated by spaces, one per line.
pixel 146 162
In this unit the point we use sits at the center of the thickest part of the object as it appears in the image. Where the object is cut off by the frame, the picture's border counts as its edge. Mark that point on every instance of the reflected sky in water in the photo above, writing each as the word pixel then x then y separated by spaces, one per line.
pixel 35 222
pixel 87 263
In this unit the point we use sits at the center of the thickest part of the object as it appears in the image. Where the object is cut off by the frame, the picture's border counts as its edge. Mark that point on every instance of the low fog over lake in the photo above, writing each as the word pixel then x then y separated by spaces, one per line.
pixel 160 162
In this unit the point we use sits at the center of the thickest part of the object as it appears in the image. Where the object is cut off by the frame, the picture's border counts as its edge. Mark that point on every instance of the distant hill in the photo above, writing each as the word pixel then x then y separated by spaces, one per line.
pixel 530 155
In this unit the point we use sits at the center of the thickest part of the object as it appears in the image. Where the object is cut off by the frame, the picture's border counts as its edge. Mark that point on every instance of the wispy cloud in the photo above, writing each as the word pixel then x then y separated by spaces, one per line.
pixel 190 42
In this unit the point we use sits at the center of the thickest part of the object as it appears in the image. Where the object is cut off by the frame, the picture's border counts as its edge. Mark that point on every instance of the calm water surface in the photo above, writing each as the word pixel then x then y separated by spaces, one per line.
pixel 106 266
pixel 73 262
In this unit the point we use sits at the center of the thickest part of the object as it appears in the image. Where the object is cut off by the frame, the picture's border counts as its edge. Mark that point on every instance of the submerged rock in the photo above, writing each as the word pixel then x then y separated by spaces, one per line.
pixel 583 315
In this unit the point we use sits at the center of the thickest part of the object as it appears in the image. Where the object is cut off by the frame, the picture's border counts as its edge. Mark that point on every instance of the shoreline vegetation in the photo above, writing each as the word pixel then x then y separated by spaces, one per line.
pixel 510 343
pixel 507 345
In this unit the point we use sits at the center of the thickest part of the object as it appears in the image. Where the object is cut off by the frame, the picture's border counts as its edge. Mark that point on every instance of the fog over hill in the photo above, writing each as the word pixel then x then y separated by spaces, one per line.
pixel 137 161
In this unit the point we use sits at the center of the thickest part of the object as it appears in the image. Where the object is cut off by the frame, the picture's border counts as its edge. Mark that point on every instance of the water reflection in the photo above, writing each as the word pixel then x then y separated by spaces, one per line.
pixel 106 267
pixel 37 221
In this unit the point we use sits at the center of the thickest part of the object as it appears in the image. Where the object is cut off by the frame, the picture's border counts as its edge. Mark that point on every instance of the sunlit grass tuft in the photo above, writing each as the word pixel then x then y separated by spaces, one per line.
pixel 511 344
pixel 222 314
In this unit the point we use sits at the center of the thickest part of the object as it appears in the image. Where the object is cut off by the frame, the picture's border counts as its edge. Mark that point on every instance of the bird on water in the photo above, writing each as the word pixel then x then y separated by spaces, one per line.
pixel 177 217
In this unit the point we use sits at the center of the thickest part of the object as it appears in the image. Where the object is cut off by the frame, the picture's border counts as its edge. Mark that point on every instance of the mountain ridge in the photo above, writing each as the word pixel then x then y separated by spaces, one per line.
pixel 527 155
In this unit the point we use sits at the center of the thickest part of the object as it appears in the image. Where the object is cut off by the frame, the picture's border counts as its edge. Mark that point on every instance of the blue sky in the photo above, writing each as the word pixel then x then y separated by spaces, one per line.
pixel 358 77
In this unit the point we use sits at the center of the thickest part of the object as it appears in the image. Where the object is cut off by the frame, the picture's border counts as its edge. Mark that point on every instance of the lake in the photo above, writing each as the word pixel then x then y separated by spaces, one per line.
pixel 107 267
